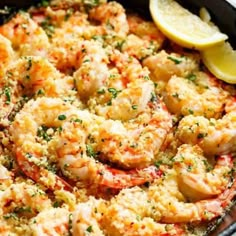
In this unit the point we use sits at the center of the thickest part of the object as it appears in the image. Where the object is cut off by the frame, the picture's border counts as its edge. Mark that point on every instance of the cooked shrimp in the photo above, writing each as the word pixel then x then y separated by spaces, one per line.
pixel 200 94
pixel 24 200
pixel 136 142
pixel 25 35
pixel 6 54
pixel 35 75
pixel 77 152
pixel 75 155
pixel 172 207
pixel 129 213
pixel 93 69
pixel 215 137
pixel 6 177
pixel 35 114
pixel 197 179
pixel 86 218
pixel 164 65
pixel 51 222
pixel 144 38
pixel 112 17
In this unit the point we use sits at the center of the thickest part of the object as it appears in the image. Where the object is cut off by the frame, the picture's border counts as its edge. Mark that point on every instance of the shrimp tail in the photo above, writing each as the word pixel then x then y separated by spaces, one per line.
pixel 38 174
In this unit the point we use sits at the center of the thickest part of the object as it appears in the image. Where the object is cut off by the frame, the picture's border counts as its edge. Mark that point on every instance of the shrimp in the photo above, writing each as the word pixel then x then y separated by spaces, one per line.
pixel 129 213
pixel 126 91
pixel 144 38
pixel 93 70
pixel 196 178
pixel 35 114
pixel 214 136
pixel 23 200
pixel 26 36
pixel 78 160
pixel 87 216
pixel 200 94
pixel 51 222
pixel 74 154
pixel 6 54
pixel 170 205
pixel 135 143
pixel 160 209
pixel 164 65
pixel 112 17
pixel 35 75
pixel 6 177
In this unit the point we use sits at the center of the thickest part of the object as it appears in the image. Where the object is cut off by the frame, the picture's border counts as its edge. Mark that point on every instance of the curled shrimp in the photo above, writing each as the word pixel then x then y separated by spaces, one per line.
pixel 77 151
pixel 164 65
pixel 126 91
pixel 35 75
pixel 23 200
pixel 87 217
pixel 74 154
pixel 136 142
pixel 197 179
pixel 93 69
pixel 42 112
pixel 144 38
pixel 197 94
pixel 51 222
pixel 129 213
pixel 25 35
pixel 170 205
pixel 6 54
pixel 112 17
pixel 214 136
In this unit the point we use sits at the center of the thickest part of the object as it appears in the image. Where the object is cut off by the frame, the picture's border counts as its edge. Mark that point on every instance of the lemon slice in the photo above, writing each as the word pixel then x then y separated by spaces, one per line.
pixel 220 60
pixel 183 27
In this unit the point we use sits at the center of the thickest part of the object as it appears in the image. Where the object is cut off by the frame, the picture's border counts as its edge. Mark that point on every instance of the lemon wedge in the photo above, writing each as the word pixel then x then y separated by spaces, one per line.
pixel 183 27
pixel 221 62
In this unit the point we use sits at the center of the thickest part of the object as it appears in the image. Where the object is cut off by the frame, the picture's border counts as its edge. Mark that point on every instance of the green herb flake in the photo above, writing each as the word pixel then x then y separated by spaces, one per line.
pixel 40 92
pixel 86 60
pixel 56 204
pixel 190 111
pixel 201 135
pixel 29 65
pixel 70 221
pixel 90 151
pixel 113 91
pixel 175 60
pixel 90 229
pixel 134 107
pixel 191 77
pixel 62 117
pixel 120 44
pixel 101 91
pixel 7 92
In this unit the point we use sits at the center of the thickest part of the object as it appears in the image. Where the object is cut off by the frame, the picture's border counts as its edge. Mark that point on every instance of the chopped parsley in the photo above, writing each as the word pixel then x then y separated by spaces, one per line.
pixel 191 77
pixel 175 60
pixel 7 92
pixel 90 229
pixel 62 117
pixel 90 151
pixel 134 107
pixel 113 92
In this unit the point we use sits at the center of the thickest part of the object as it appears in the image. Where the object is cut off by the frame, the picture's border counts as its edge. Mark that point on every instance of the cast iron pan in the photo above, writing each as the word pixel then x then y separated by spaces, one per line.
pixel 223 15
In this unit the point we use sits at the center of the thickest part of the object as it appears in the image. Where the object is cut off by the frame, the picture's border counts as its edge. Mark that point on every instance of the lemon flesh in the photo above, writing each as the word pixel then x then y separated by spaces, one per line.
pixel 183 27
pixel 221 61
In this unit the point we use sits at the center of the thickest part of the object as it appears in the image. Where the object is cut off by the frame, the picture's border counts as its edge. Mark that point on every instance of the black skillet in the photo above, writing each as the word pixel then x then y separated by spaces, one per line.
pixel 223 15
